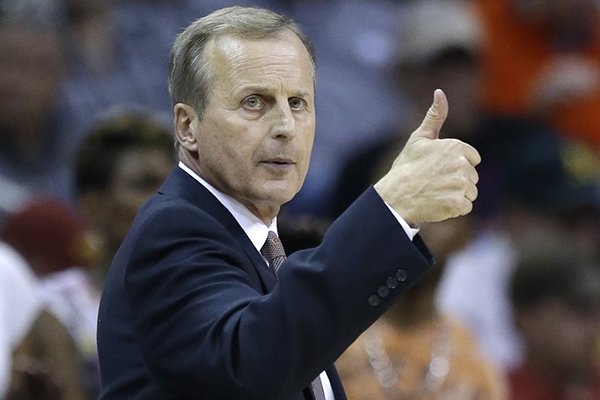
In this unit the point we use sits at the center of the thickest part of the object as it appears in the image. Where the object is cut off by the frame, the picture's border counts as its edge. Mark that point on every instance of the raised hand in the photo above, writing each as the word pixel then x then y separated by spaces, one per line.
pixel 432 179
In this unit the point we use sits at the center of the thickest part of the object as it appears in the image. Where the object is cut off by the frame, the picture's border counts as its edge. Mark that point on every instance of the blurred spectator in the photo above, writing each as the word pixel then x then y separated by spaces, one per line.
pixel 51 234
pixel 438 48
pixel 121 163
pixel 42 11
pixel 92 36
pixel 34 152
pixel 18 307
pixel 52 237
pixel 535 193
pixel 417 352
pixel 38 359
pixel 542 62
pixel 555 293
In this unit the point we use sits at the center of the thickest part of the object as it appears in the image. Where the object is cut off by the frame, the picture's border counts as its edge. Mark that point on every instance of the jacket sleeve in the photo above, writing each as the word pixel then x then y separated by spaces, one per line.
pixel 206 328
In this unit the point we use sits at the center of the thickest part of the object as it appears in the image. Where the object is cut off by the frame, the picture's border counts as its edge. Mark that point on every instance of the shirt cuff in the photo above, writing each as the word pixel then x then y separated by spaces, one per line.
pixel 410 231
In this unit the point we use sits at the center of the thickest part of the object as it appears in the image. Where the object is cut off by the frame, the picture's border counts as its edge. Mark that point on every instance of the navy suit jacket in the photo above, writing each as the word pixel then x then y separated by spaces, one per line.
pixel 190 309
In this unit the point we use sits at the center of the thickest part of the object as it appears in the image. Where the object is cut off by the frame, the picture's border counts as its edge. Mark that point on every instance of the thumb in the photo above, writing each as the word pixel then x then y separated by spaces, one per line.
pixel 436 115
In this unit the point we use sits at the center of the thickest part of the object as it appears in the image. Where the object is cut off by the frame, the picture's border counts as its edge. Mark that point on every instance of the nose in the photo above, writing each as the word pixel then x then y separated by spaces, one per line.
pixel 284 124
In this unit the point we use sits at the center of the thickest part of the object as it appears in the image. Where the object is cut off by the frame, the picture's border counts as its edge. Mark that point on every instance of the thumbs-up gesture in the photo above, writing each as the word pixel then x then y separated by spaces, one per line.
pixel 432 179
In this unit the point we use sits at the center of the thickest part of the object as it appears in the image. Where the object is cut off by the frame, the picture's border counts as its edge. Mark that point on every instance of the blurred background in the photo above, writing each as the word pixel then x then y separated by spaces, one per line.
pixel 86 137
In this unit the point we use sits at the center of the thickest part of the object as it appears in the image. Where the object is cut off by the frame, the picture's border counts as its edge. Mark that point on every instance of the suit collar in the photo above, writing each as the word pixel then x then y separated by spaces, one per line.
pixel 254 227
pixel 182 185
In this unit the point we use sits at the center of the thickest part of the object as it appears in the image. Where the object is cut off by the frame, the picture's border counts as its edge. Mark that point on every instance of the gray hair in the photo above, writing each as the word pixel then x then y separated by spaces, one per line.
pixel 189 73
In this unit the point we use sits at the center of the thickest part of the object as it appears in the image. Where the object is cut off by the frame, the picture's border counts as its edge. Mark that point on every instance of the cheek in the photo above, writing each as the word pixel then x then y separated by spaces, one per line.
pixel 308 138
pixel 226 156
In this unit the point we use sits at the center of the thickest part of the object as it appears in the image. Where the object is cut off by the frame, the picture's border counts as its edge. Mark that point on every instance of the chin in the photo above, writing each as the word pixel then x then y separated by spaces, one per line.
pixel 284 190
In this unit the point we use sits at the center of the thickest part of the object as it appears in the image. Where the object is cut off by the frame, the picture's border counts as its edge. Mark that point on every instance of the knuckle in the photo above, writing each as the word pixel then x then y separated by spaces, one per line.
pixel 464 162
pixel 433 113
pixel 456 203
pixel 451 145
pixel 461 182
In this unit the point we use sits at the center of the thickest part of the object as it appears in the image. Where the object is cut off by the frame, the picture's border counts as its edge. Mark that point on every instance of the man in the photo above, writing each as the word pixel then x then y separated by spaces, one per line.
pixel 191 310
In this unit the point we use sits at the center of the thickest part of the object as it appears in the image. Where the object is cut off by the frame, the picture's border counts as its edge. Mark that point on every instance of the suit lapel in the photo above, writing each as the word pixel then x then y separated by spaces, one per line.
pixel 181 184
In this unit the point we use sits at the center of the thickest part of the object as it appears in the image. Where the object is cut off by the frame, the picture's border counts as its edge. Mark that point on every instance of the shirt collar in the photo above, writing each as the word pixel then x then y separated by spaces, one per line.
pixel 254 228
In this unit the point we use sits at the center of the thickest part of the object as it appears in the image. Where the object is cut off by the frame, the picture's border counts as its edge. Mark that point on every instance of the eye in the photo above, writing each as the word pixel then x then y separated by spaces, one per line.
pixel 253 102
pixel 297 103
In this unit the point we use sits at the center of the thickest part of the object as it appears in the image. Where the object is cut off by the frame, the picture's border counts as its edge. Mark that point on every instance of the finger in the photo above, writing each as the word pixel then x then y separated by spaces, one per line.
pixel 466 208
pixel 473 175
pixel 471 154
pixel 435 117
pixel 471 192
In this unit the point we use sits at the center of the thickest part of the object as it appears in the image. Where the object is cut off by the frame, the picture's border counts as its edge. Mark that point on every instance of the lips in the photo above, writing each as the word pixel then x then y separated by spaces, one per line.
pixel 279 161
pixel 279 165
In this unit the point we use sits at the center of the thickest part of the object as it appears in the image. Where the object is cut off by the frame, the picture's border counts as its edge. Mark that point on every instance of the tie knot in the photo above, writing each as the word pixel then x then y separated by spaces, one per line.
pixel 273 252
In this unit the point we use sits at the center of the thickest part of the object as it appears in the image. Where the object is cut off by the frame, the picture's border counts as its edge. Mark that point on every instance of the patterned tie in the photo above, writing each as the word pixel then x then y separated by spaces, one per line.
pixel 274 253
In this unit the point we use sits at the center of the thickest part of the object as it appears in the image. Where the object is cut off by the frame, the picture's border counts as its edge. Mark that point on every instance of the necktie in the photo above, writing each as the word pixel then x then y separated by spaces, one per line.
pixel 274 253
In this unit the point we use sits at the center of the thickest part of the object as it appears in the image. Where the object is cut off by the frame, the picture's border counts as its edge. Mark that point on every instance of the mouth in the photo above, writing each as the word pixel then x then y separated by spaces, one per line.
pixel 279 164
pixel 278 161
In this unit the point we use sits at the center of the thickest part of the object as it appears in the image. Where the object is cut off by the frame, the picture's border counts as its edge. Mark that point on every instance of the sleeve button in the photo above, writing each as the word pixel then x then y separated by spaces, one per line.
pixel 391 282
pixel 401 275
pixel 374 300
pixel 383 291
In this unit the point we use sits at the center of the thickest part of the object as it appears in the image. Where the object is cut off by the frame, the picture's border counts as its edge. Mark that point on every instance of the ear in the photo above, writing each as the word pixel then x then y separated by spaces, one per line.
pixel 184 116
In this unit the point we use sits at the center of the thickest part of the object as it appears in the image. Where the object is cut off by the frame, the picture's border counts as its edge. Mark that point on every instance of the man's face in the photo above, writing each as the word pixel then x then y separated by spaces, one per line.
pixel 255 137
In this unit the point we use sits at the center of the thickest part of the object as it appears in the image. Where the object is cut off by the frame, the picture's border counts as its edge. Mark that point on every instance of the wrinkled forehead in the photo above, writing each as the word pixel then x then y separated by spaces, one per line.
pixel 284 53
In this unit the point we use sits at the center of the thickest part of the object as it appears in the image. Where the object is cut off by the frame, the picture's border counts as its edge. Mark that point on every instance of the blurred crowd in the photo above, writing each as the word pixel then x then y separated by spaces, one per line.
pixel 513 309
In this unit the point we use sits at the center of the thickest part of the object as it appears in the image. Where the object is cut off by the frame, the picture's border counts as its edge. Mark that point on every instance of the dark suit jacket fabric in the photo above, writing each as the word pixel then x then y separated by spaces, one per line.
pixel 190 309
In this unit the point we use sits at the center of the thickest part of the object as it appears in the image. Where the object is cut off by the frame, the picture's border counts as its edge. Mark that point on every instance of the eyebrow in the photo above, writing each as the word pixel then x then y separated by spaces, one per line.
pixel 255 88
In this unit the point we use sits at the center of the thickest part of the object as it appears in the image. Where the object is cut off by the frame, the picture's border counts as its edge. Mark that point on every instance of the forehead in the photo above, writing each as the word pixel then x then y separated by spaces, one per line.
pixel 236 59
